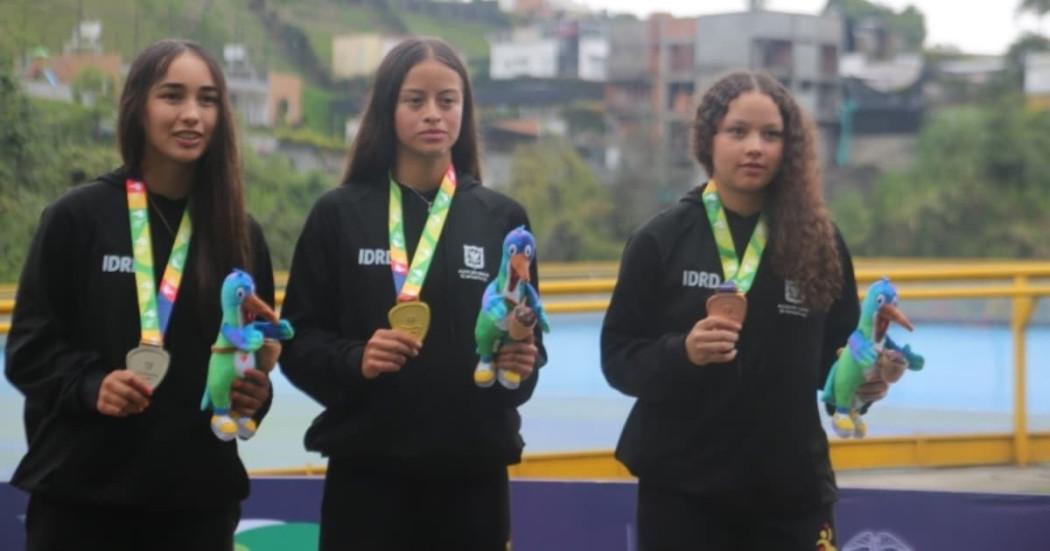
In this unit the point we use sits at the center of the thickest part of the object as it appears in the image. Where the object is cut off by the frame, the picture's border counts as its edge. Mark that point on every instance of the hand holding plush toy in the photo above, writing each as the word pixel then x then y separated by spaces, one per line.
pixel 870 356
pixel 510 309
pixel 242 344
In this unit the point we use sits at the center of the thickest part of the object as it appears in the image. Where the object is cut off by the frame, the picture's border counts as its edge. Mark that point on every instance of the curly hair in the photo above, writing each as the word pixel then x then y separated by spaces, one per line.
pixel 802 237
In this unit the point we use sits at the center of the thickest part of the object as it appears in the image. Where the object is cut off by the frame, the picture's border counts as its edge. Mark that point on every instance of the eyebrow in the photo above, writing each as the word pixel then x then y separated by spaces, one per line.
pixel 732 122
pixel 180 86
pixel 422 91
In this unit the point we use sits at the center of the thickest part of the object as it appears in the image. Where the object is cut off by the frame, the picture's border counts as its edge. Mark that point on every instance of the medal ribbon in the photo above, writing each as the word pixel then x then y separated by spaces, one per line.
pixel 154 308
pixel 740 272
pixel 408 280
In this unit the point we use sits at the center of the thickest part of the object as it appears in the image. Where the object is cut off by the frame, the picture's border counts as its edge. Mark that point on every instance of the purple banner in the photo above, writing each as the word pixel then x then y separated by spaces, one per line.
pixel 553 516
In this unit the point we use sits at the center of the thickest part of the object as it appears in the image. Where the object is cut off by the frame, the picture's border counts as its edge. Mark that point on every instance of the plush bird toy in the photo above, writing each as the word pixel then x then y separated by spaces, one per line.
pixel 240 339
pixel 510 309
pixel 869 349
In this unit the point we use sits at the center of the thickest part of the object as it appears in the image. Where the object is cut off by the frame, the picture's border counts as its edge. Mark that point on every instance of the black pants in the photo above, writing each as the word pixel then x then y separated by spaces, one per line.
pixel 669 520
pixel 369 509
pixel 56 526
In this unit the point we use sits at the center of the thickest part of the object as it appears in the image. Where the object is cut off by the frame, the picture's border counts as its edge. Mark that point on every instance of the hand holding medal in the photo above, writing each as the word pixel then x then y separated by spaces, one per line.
pixel 388 350
pixel 149 360
pixel 713 339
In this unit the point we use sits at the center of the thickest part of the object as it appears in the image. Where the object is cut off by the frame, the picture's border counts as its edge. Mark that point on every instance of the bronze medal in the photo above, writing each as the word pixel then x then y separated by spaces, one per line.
pixel 411 317
pixel 728 305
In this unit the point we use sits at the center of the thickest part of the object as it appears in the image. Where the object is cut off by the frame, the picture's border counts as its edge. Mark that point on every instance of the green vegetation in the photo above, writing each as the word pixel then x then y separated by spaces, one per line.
pixel 279 197
pixel 316 112
pixel 979 187
pixel 908 25
pixel 468 37
pixel 323 20
pixel 569 211
pixel 45 148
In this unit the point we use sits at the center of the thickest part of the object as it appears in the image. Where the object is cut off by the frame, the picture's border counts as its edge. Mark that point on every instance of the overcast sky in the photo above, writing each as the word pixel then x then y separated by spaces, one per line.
pixel 975 26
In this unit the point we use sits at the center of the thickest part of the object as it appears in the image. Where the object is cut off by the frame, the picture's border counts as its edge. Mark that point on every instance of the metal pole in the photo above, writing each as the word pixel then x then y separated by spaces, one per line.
pixel 1022 313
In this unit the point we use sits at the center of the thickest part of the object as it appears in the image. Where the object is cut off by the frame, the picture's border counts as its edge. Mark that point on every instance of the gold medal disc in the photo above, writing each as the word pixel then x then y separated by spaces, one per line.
pixel 411 317
pixel 728 305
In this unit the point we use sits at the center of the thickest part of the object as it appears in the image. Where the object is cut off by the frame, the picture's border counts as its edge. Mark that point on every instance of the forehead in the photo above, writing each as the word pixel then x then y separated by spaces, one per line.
pixel 431 75
pixel 187 69
pixel 755 108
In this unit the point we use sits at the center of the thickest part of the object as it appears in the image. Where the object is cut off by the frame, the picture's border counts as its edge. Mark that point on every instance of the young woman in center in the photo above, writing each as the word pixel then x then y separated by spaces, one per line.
pixel 417 453
pixel 725 435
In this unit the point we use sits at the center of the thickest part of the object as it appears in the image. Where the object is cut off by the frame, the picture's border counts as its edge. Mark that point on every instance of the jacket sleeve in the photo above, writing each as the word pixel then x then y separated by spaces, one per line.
pixel 843 315
pixel 523 393
pixel 318 360
pixel 262 272
pixel 637 359
pixel 42 360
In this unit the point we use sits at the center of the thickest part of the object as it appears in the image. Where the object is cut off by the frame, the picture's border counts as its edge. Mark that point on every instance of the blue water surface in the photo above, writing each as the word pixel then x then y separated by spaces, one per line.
pixel 966 387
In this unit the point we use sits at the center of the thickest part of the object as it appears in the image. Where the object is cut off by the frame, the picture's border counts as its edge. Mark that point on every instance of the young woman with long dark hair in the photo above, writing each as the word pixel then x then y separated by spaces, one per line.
pixel 417 452
pixel 116 310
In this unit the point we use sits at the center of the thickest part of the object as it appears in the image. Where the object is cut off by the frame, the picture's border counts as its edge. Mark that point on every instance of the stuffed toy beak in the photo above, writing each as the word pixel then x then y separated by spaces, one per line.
pixel 253 307
pixel 888 313
pixel 519 269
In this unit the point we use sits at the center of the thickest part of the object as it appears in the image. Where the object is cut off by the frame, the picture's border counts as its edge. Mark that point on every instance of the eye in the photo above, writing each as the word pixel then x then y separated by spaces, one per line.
pixel 240 293
pixel 512 249
pixel 880 300
pixel 528 251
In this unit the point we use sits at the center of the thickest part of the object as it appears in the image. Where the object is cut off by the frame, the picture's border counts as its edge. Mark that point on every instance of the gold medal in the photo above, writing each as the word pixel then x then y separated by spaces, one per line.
pixel 728 305
pixel 411 317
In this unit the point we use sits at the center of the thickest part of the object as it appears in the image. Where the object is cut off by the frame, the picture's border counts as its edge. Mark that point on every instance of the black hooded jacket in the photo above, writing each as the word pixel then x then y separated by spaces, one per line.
pixel 75 318
pixel 746 432
pixel 429 415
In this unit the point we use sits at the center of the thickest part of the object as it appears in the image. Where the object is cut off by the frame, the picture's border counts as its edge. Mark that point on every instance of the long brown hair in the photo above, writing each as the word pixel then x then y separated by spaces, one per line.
pixel 220 223
pixel 372 154
pixel 802 237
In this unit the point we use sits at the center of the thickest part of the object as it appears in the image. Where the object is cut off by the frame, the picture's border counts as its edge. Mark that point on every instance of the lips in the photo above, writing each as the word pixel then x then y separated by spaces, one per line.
pixel 188 138
pixel 433 134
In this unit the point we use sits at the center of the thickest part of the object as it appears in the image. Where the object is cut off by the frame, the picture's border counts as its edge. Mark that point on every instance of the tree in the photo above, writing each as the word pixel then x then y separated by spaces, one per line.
pixel 1039 8
pixel 979 187
pixel 569 208
pixel 908 26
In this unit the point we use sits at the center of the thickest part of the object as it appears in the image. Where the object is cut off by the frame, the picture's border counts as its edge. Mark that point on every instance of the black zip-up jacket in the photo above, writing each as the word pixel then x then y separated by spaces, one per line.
pixel 745 433
pixel 429 415
pixel 75 318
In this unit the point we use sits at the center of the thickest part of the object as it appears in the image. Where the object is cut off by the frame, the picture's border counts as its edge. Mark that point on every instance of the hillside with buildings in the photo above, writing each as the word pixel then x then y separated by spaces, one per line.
pixel 597 101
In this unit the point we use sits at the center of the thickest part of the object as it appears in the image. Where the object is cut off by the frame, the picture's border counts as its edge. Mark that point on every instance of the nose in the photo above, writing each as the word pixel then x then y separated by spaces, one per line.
pixel 430 112
pixel 753 144
pixel 190 113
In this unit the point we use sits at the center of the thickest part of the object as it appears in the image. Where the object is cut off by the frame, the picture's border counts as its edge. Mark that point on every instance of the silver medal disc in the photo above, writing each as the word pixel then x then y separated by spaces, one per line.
pixel 148 362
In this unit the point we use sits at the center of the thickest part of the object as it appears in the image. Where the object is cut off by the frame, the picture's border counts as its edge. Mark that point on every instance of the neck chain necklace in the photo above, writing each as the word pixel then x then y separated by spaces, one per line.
pixel 160 215
pixel 429 202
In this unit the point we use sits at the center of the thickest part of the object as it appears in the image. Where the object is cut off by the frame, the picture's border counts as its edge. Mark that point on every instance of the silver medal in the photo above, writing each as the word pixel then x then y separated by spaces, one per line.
pixel 149 362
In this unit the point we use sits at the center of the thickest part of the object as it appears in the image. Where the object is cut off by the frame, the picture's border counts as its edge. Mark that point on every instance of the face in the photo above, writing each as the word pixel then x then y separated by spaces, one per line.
pixel 429 111
pixel 749 144
pixel 181 111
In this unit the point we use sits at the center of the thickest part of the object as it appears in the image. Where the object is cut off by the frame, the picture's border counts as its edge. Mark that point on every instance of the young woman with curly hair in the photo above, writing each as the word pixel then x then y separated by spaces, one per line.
pixel 725 435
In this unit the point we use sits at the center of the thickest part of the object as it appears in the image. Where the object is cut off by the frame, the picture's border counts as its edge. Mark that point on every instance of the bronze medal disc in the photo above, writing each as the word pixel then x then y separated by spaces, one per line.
pixel 728 305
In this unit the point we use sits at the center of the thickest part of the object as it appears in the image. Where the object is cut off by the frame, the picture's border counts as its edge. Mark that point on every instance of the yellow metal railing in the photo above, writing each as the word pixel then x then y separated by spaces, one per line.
pixel 1023 283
